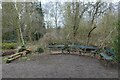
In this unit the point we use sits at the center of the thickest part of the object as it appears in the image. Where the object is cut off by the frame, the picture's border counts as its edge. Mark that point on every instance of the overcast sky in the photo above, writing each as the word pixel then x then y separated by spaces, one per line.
pixel 44 1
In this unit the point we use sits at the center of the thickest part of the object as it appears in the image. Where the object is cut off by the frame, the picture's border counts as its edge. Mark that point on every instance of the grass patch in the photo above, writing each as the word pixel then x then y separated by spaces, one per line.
pixel 9 46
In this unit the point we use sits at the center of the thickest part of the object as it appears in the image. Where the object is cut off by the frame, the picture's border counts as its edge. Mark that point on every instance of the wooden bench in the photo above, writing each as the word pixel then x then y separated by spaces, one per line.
pixel 108 55
pixel 58 47
pixel 109 51
pixel 70 48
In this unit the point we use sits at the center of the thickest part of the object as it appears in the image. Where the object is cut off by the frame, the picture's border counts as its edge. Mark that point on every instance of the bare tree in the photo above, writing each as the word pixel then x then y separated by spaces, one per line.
pixel 96 12
pixel 78 16
pixel 19 12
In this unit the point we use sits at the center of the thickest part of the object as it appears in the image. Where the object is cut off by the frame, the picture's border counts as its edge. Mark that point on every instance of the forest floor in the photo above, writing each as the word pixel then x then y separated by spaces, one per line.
pixel 57 66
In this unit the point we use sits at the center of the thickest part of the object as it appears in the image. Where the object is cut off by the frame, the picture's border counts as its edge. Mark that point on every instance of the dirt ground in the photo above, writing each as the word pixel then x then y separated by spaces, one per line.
pixel 58 66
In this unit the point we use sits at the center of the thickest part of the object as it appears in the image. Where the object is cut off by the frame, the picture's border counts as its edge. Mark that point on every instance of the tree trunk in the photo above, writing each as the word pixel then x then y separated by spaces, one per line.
pixel 93 22
pixel 76 19
pixel 19 31
pixel 22 40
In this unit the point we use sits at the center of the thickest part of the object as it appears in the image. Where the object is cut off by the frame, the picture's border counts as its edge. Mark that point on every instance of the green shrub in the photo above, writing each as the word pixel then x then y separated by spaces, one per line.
pixel 116 45
pixel 9 45
pixel 40 50
pixel 22 48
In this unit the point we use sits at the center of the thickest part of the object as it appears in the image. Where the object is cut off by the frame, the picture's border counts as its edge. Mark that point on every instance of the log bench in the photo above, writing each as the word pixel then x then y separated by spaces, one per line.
pixel 18 55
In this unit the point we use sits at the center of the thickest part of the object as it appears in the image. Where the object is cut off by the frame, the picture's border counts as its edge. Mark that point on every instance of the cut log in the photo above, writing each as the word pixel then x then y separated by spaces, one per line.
pixel 14 58
pixel 18 55
pixel 24 53
pixel 5 53
pixel 15 55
